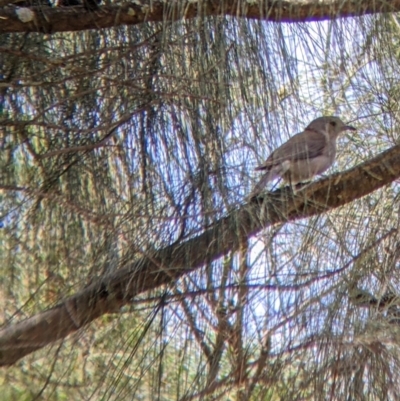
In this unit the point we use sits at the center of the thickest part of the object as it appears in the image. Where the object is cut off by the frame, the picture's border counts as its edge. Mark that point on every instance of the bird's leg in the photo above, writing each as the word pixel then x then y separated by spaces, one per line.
pixel 292 185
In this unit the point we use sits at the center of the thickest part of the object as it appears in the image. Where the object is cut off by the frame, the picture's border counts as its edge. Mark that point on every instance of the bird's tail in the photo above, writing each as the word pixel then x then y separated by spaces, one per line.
pixel 270 175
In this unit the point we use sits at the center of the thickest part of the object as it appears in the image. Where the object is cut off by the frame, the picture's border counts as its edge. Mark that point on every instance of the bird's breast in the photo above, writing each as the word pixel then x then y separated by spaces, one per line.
pixel 306 169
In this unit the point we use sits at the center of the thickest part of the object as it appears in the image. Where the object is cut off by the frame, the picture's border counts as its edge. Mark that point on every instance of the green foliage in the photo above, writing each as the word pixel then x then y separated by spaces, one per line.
pixel 119 142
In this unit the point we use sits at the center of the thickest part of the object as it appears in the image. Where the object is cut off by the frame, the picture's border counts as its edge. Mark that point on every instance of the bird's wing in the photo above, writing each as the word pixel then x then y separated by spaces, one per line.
pixel 304 145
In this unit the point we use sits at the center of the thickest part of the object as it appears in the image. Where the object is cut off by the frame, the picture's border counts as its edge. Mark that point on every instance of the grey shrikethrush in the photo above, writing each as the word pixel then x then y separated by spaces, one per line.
pixel 304 155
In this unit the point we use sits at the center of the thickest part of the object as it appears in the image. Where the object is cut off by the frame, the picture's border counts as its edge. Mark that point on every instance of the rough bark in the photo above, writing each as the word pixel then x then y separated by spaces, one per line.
pixel 68 19
pixel 113 291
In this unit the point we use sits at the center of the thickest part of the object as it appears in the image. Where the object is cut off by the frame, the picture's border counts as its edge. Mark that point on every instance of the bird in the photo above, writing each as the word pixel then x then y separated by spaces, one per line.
pixel 304 155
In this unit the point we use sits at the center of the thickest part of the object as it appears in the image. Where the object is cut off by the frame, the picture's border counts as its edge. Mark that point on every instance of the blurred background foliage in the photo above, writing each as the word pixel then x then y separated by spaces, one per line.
pixel 118 142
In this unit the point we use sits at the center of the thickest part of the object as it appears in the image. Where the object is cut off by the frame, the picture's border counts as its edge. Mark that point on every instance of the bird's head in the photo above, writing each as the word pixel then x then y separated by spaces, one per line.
pixel 331 125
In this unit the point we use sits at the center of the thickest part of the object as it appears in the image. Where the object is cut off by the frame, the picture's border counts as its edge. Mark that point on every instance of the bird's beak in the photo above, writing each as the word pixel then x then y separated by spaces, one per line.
pixel 349 128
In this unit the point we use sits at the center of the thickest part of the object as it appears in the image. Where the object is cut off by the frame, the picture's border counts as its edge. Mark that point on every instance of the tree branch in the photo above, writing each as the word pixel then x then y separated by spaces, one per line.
pixel 111 292
pixel 67 19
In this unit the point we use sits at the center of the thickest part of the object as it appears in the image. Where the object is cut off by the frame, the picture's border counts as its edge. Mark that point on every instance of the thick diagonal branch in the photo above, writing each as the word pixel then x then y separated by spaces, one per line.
pixel 113 291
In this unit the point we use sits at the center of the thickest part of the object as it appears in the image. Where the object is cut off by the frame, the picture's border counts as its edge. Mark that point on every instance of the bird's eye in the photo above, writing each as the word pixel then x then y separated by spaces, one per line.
pixel 333 123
